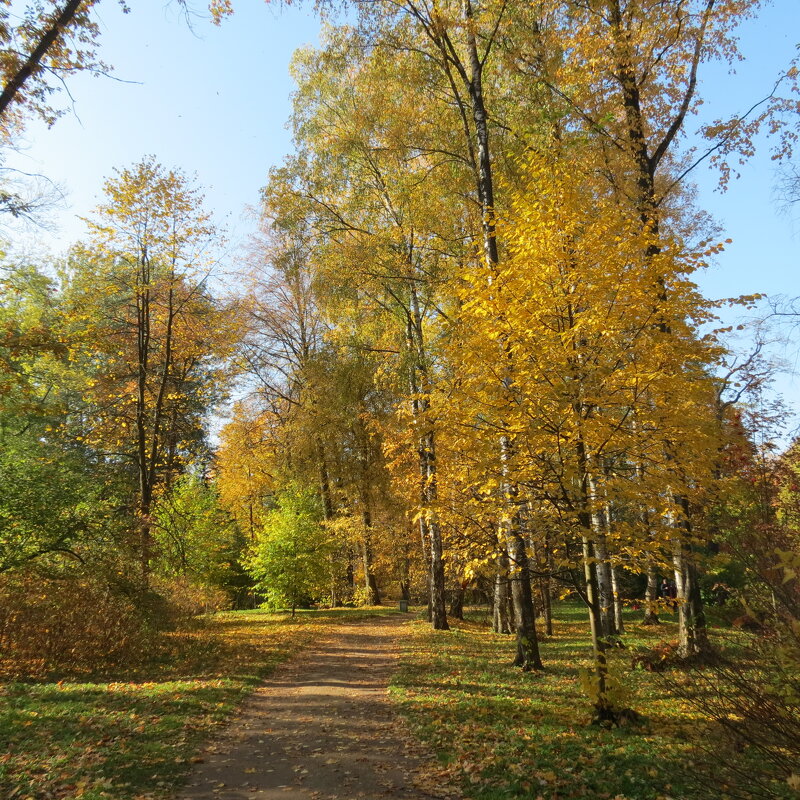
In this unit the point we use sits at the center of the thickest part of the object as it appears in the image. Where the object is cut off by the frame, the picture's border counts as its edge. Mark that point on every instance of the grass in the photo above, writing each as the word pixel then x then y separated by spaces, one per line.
pixel 134 735
pixel 503 734
pixel 498 734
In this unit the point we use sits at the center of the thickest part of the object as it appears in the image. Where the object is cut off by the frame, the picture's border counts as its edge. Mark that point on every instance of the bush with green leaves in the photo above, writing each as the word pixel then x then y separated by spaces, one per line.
pixel 50 502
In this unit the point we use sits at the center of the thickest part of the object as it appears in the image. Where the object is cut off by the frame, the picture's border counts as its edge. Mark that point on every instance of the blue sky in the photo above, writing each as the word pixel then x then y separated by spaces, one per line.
pixel 214 101
pixel 210 100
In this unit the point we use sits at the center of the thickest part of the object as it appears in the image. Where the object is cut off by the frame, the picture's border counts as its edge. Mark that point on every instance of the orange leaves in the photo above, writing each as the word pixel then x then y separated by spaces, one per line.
pixel 146 334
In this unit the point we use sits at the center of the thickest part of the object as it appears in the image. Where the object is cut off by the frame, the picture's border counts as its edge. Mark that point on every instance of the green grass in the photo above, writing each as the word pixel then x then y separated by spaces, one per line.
pixel 504 734
pixel 133 735
pixel 498 733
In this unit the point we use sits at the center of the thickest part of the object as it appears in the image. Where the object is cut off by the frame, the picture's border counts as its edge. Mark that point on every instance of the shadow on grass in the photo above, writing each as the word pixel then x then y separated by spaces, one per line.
pixel 506 734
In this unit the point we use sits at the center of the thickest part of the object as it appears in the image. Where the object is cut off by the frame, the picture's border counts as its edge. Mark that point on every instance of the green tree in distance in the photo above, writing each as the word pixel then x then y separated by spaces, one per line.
pixel 290 557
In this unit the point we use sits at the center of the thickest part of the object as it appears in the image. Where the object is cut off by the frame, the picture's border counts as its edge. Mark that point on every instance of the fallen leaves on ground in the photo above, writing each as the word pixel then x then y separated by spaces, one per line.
pixel 133 736
pixel 501 734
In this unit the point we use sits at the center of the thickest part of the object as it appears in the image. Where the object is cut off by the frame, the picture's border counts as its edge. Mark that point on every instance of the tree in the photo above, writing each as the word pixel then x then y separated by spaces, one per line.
pixel 48 501
pixel 195 538
pixel 152 337
pixel 51 41
pixel 634 107
pixel 42 44
pixel 289 559
pixel 357 183
pixel 599 386
pixel 313 402
pixel 459 40
pixel 245 475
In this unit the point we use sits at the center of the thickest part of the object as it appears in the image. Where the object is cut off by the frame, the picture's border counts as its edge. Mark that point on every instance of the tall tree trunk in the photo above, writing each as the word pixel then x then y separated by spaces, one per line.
pixel 591 591
pixel 605 586
pixel 528 656
pixel 143 460
pixel 373 597
pixel 405 571
pixel 480 119
pixel 651 598
pixel 426 559
pixel 438 607
pixel 501 616
pixel 547 603
pixel 605 592
pixel 370 583
pixel 692 632
pixel 426 453
pixel 519 571
pixel 618 621
pixel 651 588
pixel 457 600
pixel 602 704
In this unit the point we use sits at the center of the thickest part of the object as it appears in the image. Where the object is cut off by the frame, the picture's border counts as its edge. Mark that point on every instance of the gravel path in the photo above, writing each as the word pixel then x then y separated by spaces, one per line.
pixel 321 728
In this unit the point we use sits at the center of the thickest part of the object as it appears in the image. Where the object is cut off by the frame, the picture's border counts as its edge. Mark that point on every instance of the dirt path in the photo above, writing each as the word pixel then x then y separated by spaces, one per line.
pixel 320 728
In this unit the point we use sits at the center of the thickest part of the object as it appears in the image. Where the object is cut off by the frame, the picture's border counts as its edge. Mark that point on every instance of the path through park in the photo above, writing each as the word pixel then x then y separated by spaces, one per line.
pixel 321 728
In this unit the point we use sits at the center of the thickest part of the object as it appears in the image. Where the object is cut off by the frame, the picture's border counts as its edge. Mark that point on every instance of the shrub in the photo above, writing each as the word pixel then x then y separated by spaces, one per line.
pixel 290 559
pixel 78 623
pixel 183 598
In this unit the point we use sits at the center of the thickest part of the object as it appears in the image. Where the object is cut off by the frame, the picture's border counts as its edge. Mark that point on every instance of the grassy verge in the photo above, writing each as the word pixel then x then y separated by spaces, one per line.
pixel 134 735
pixel 503 734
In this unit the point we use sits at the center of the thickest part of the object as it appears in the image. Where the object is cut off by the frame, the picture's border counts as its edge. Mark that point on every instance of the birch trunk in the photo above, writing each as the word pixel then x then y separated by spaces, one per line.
pixel 618 621
pixel 605 587
pixel 651 598
pixel 426 453
pixel 501 612
pixel 692 632
pixel 605 592
pixel 589 522
pixel 602 705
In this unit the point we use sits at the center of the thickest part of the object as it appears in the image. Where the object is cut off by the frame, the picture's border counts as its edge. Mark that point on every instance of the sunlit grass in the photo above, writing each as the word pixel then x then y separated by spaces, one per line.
pixel 503 734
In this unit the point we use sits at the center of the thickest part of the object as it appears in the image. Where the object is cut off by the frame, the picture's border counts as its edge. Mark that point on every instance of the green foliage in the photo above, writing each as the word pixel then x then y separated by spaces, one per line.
pixel 289 560
pixel 28 341
pixel 52 499
pixel 195 538
pixel 48 502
